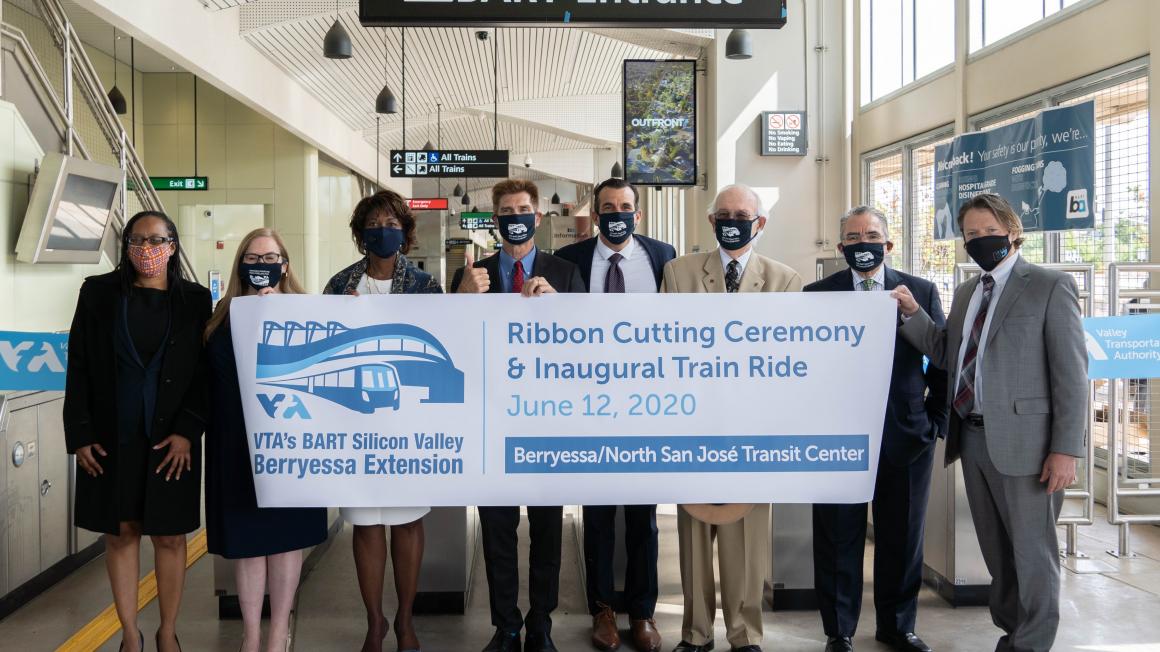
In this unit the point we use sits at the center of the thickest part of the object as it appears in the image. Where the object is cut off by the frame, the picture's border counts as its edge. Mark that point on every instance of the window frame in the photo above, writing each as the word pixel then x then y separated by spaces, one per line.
pixel 868 39
pixel 1019 34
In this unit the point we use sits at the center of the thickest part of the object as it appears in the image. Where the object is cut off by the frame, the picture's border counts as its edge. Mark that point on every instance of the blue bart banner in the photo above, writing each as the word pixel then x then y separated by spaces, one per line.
pixel 564 399
pixel 32 361
pixel 1044 166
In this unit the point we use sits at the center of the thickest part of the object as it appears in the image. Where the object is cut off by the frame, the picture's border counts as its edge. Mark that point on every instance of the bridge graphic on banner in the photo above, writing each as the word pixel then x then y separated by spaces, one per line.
pixel 361 369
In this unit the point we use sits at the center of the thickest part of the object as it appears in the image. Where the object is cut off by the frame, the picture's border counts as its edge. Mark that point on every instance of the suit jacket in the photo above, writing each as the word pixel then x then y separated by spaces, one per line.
pixel 561 274
pixel 703 272
pixel 914 417
pixel 1035 388
pixel 580 254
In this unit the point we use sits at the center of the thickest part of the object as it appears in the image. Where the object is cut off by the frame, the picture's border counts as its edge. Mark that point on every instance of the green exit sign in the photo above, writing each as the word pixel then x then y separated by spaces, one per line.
pixel 180 183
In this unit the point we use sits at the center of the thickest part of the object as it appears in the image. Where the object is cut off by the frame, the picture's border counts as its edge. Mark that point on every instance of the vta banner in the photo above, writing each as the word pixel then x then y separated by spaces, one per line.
pixel 32 361
pixel 563 399
pixel 1044 166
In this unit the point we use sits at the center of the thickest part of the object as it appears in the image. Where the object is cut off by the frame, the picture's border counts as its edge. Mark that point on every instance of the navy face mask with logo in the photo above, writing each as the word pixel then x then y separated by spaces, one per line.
pixel 864 256
pixel 383 241
pixel 733 234
pixel 616 227
pixel 517 229
pixel 988 250
pixel 261 275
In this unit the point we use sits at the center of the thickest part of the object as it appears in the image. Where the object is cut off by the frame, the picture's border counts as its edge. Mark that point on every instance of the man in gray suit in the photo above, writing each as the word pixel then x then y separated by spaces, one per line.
pixel 1014 347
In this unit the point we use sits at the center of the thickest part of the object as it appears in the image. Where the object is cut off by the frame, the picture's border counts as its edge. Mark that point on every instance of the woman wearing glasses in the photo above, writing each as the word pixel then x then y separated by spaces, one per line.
pixel 266 542
pixel 134 412
pixel 383 229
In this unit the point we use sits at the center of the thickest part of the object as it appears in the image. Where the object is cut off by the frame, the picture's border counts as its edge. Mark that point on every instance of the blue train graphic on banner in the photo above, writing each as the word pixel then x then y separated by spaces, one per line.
pixel 362 369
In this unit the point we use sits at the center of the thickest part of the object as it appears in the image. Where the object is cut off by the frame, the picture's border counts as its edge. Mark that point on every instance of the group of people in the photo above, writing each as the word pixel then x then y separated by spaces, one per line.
pixel 1015 329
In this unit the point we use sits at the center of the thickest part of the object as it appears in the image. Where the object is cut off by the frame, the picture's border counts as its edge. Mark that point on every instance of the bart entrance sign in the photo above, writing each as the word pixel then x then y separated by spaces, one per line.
pixel 722 14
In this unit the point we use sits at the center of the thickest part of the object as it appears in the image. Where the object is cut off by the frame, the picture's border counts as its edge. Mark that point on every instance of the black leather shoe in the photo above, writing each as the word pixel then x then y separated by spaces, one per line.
pixel 839 644
pixel 503 641
pixel 902 641
pixel 747 648
pixel 538 642
pixel 685 646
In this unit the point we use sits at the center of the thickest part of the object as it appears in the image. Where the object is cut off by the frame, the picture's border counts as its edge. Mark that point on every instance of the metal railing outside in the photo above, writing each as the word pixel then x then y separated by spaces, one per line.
pixel 1117 402
pixel 79 69
pixel 1084 487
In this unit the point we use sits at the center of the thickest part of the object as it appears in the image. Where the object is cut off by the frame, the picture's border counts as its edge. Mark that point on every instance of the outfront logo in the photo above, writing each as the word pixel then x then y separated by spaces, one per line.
pixel 1077 204
pixel 362 369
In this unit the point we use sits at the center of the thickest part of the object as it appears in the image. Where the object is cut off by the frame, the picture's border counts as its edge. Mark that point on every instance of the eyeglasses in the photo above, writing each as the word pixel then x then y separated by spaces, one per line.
pixel 155 240
pixel 740 216
pixel 855 238
pixel 251 259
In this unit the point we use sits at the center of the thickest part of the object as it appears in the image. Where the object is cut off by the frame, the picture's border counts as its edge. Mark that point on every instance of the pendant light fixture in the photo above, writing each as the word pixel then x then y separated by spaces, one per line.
pixel 739 45
pixel 386 102
pixel 466 201
pixel 458 191
pixel 336 44
pixel 555 195
pixel 474 209
pixel 116 97
pixel 617 171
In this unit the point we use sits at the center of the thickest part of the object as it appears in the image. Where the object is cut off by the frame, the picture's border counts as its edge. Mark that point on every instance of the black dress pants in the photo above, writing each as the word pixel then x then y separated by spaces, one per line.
pixel 640 542
pixel 501 559
pixel 900 497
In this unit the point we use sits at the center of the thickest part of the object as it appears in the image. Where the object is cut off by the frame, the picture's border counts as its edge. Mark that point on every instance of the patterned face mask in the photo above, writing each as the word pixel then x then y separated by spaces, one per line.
pixel 150 261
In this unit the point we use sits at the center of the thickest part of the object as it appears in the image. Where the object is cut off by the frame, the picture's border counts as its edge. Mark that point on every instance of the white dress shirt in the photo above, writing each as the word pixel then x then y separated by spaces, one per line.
pixel 1001 273
pixel 742 260
pixel 636 267
pixel 879 280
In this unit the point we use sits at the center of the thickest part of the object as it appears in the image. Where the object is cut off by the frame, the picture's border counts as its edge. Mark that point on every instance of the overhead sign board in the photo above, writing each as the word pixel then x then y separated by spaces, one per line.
pixel 783 133
pixel 180 183
pixel 432 204
pixel 449 163
pixel 697 14
pixel 475 221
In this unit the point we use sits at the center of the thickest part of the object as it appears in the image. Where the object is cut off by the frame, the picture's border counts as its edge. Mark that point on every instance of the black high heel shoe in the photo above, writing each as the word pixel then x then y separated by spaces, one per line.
pixel 140 643
pixel 157 640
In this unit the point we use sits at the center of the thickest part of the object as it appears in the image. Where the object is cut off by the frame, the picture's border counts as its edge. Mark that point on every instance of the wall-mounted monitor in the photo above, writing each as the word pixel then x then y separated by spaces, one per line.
pixel 69 210
pixel 660 122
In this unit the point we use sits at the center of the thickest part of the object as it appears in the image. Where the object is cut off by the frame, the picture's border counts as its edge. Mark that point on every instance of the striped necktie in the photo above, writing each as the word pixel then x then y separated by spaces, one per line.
pixel 964 401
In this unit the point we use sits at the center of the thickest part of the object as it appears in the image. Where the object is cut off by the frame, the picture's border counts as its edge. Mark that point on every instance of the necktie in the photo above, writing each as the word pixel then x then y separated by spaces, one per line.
pixel 518 277
pixel 614 281
pixel 964 401
pixel 868 284
pixel 733 277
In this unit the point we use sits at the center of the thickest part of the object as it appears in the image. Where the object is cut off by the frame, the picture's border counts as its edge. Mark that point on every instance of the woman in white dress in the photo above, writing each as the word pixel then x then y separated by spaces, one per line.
pixel 383 229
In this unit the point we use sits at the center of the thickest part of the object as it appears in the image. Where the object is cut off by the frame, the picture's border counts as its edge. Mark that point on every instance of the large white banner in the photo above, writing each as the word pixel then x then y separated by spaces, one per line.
pixel 564 399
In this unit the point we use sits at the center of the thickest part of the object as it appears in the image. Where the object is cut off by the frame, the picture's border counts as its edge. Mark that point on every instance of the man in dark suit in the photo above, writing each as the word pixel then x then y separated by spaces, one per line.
pixel 914 418
pixel 519 267
pixel 618 261
pixel 1019 411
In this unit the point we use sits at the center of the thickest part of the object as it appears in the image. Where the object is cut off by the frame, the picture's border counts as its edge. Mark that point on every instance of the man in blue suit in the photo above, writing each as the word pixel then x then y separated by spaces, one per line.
pixel 916 414
pixel 618 261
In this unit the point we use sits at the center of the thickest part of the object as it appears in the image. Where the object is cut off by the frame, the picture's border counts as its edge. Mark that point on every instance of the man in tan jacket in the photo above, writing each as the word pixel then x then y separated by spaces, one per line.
pixel 742 544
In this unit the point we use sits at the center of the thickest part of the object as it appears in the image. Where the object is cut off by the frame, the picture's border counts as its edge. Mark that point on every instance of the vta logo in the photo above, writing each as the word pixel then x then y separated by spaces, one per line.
pixel 273 405
pixel 30 357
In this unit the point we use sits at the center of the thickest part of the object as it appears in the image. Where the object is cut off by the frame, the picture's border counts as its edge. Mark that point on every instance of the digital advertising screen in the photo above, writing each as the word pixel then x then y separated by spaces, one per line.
pixel 660 122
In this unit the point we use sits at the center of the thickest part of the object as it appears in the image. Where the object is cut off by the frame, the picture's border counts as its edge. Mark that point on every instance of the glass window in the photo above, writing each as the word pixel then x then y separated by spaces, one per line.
pixel 903 40
pixel 992 20
pixel 931 259
pixel 885 188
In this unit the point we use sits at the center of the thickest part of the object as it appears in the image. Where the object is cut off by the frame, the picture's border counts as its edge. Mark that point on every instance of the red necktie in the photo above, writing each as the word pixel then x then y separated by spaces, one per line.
pixel 518 278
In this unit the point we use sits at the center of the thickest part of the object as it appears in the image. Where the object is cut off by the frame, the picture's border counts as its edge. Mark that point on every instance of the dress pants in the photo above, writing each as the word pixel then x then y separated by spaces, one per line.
pixel 1014 520
pixel 900 499
pixel 501 560
pixel 640 542
pixel 743 556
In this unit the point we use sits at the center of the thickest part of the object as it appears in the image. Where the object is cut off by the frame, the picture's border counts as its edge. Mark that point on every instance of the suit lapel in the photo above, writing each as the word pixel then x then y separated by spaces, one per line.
pixel 1016 283
pixel 491 264
pixel 891 279
pixel 753 278
pixel 714 275
pixel 955 325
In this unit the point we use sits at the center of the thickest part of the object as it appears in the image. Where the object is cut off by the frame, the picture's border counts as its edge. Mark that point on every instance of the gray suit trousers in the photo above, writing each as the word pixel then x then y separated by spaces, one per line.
pixel 1015 519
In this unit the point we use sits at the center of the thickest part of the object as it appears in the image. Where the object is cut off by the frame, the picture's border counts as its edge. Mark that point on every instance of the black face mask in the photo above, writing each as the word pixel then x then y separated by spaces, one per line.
pixel 733 234
pixel 261 275
pixel 864 256
pixel 617 227
pixel 517 229
pixel 988 250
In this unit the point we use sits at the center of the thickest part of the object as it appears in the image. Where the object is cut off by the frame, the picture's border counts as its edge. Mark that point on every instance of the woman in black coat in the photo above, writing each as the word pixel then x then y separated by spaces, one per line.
pixel 134 413
pixel 266 542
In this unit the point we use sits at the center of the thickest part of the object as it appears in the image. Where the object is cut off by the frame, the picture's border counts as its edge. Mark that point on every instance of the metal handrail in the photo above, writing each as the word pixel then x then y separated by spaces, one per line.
pixel 1084 490
pixel 78 67
pixel 1117 464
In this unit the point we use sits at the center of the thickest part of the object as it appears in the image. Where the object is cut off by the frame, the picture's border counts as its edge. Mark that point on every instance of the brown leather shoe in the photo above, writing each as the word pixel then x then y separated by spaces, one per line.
pixel 645 636
pixel 604 633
